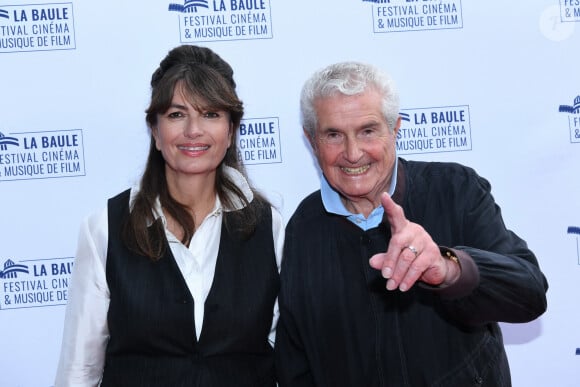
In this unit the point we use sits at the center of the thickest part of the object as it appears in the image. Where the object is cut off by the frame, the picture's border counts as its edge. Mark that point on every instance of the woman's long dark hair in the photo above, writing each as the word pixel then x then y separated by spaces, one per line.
pixel 207 80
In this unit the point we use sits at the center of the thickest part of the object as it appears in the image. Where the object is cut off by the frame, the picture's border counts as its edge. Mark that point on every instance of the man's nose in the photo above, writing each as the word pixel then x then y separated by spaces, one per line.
pixel 353 151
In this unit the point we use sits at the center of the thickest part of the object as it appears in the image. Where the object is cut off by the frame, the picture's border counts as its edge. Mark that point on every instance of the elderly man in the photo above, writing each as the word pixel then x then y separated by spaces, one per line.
pixel 396 272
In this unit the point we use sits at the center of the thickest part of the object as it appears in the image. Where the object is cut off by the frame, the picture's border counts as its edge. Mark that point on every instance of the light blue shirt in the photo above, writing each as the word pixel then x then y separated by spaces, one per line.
pixel 333 204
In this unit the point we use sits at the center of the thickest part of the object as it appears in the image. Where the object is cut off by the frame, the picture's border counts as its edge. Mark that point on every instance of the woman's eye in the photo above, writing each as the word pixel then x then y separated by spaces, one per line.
pixel 175 115
pixel 211 115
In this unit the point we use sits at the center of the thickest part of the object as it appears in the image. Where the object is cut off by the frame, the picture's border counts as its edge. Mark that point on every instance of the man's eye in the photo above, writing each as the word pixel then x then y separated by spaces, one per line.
pixel 333 137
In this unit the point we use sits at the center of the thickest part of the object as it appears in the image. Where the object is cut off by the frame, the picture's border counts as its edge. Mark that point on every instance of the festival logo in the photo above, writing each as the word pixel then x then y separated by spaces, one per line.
pixel 259 141
pixel 409 15
pixel 36 27
pixel 570 10
pixel 41 155
pixel 34 283
pixel 573 112
pixel 216 20
pixel 434 130
pixel 576 231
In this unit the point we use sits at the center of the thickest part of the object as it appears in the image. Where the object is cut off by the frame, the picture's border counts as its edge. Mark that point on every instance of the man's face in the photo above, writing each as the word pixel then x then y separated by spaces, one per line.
pixel 354 146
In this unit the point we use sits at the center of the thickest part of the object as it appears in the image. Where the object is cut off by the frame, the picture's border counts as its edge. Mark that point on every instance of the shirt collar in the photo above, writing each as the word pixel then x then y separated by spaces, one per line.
pixel 241 182
pixel 333 204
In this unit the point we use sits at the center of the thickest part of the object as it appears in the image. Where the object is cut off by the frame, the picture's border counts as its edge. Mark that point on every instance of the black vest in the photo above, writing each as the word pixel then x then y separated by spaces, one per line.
pixel 151 319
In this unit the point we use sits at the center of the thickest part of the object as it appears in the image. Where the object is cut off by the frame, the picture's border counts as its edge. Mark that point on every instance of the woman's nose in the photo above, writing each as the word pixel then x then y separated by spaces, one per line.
pixel 193 128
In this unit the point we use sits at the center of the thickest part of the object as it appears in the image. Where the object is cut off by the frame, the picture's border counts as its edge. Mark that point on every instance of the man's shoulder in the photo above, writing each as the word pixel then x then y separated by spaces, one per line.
pixel 309 208
pixel 439 170
pixel 429 176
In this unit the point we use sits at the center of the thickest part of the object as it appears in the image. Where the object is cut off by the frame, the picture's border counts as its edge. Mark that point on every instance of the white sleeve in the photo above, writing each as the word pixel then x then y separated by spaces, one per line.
pixel 278 233
pixel 86 333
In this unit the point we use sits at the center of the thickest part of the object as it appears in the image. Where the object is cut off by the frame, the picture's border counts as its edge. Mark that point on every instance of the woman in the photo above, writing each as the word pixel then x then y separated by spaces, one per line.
pixel 175 282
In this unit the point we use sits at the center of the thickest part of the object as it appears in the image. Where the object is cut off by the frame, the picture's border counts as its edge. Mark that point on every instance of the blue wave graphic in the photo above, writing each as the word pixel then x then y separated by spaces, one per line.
pixel 189 6
pixel 10 271
pixel 569 109
pixel 8 141
pixel 574 230
pixel 405 116
pixel 575 108
pixel 4 14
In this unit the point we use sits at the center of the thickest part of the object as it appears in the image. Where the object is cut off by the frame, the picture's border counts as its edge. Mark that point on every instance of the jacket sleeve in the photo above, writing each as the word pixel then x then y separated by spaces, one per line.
pixel 509 285
pixel 292 365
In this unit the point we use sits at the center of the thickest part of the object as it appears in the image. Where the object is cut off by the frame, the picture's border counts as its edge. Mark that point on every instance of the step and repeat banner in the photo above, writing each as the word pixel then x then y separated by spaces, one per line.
pixel 494 85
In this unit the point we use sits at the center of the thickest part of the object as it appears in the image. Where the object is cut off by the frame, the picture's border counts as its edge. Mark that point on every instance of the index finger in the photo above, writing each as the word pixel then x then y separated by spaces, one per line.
pixel 394 212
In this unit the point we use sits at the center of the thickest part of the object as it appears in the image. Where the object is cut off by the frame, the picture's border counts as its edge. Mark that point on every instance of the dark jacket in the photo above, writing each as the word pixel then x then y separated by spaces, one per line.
pixel 339 326
pixel 151 313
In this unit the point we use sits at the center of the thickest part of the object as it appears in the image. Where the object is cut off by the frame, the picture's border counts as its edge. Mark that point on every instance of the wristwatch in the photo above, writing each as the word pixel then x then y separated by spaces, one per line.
pixel 446 252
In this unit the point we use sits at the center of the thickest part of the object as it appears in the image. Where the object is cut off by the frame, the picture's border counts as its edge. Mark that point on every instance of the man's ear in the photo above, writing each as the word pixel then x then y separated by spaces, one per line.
pixel 397 126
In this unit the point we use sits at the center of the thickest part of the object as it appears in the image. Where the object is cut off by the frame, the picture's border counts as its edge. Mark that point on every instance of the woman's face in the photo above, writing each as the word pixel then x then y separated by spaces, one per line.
pixel 192 142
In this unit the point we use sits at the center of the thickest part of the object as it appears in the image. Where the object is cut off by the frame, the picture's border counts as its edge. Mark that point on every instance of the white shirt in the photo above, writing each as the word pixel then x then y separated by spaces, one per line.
pixel 86 332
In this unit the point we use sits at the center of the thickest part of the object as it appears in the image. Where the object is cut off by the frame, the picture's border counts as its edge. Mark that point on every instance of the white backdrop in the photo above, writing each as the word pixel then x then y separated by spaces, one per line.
pixel 492 84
